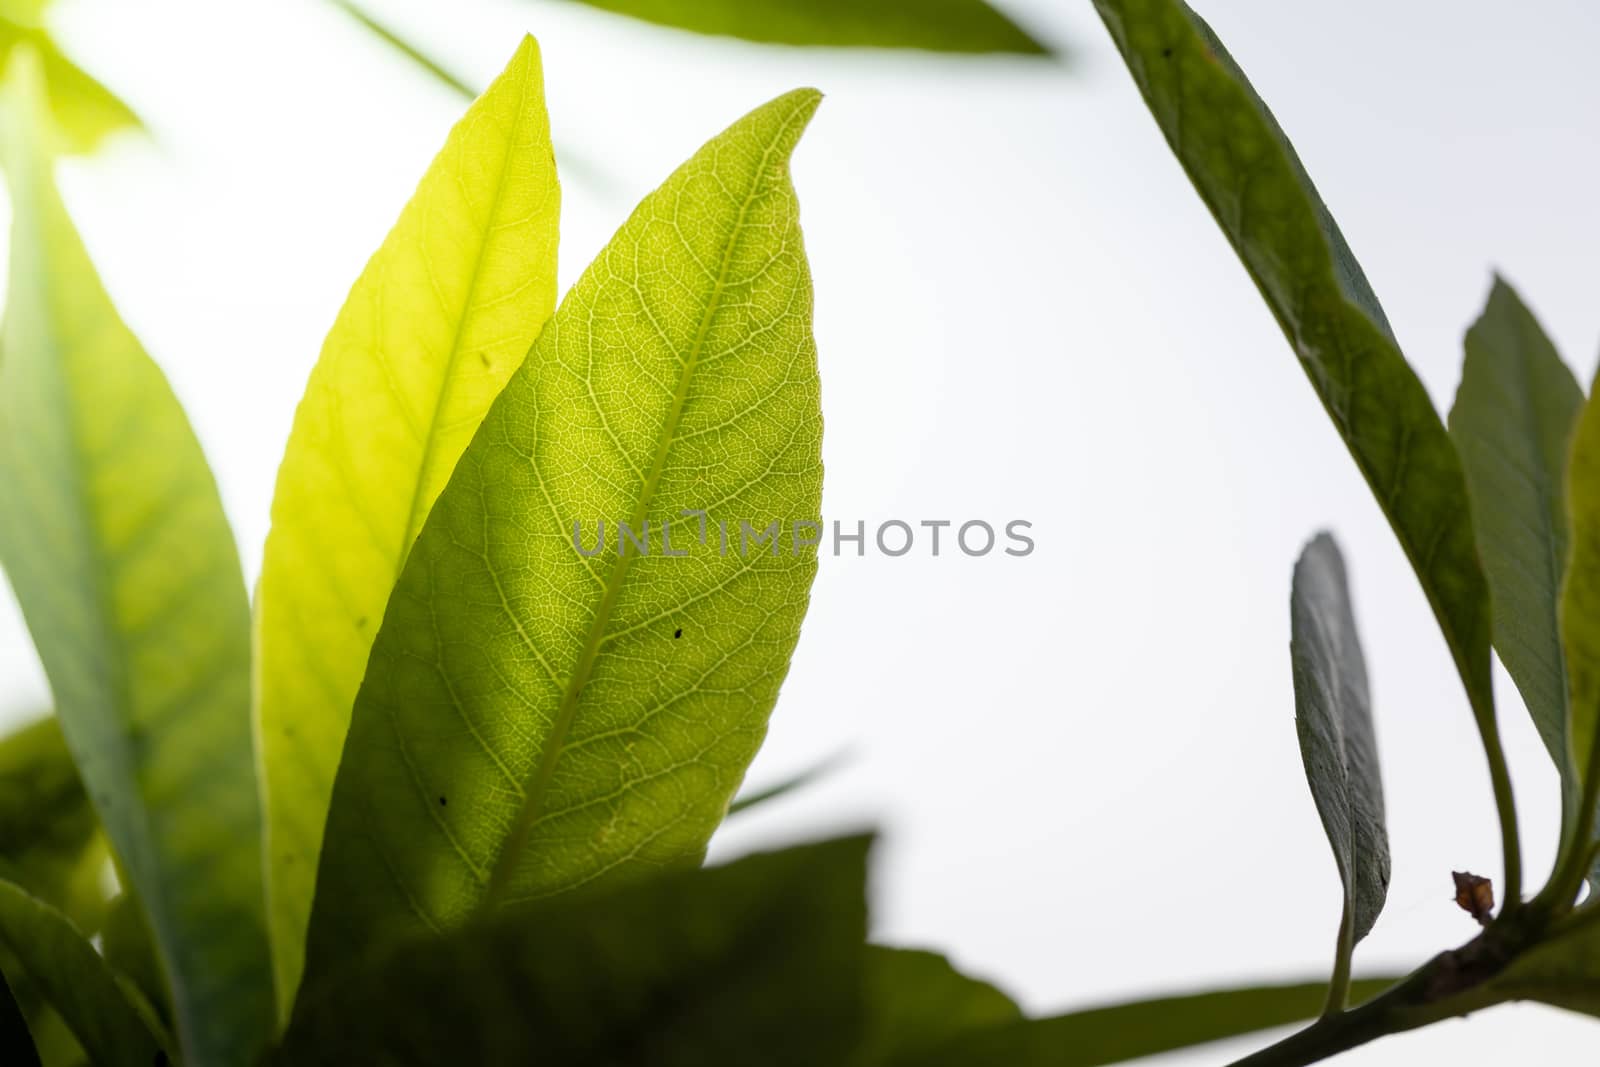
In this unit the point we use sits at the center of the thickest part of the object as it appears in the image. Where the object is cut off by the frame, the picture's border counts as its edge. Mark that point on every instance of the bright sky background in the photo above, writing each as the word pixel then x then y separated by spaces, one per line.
pixel 1084 761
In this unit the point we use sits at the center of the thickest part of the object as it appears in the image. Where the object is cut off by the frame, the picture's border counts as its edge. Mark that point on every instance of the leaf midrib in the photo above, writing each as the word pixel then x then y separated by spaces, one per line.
pixel 529 813
pixel 414 523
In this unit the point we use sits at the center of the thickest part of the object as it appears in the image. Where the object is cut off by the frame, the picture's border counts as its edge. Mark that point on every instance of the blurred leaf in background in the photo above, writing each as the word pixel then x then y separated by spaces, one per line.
pixel 84 111
pixel 969 26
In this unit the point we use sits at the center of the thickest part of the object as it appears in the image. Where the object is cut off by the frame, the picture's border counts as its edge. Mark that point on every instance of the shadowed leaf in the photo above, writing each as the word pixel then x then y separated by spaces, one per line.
pixel 75 981
pixel 917 1001
pixel 756 962
pixel 1123 1032
pixel 115 542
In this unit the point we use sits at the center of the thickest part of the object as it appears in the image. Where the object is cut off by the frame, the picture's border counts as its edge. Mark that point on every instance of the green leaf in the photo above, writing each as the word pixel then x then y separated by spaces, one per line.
pixel 437 323
pixel 75 980
pixel 971 26
pixel 1333 717
pixel 122 561
pixel 1580 597
pixel 754 798
pixel 127 946
pixel 1512 424
pixel 755 962
pixel 1123 1032
pixel 1249 176
pixel 917 1001
pixel 49 836
pixel 534 719
pixel 16 1043
pixel 83 110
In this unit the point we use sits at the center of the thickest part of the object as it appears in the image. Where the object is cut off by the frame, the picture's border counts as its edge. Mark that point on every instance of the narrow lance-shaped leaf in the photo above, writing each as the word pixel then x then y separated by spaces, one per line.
pixel 438 321
pixel 1580 597
pixel 1333 716
pixel 1247 173
pixel 115 542
pixel 536 716
pixel 75 981
pixel 759 961
pixel 748 799
pixel 1512 424
pixel 933 25
pixel 83 110
pixel 1122 1032
pixel 917 1001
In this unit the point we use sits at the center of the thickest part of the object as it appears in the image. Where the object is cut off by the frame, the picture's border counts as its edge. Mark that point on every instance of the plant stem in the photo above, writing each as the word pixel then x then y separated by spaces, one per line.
pixel 1339 984
pixel 1451 984
pixel 1506 806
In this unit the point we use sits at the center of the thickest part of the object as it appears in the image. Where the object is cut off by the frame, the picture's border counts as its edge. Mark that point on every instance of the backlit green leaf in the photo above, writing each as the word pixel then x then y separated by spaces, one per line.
pixel 1512 423
pixel 75 980
pixel 436 324
pixel 917 1001
pixel 125 942
pixel 116 546
pixel 934 25
pixel 758 962
pixel 1249 176
pixel 83 110
pixel 533 718
pixel 1333 717
pixel 1123 1032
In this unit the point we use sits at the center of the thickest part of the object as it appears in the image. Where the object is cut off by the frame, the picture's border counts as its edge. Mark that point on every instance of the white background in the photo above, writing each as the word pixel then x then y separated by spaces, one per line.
pixel 1084 762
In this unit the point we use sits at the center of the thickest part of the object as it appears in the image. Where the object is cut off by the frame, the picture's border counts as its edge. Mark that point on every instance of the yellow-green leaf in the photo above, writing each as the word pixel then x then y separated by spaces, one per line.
pixel 116 545
pixel 1580 597
pixel 76 981
pixel 83 110
pixel 533 718
pixel 436 324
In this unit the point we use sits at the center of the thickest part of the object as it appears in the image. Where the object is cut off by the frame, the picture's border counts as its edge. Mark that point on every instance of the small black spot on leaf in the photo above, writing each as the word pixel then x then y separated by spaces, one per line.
pixel 1166 53
pixel 443 802
pixel 677 634
pixel 361 623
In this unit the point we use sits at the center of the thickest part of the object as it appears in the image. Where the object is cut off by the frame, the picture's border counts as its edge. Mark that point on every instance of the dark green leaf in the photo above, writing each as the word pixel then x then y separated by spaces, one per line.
pixel 114 539
pixel 1512 423
pixel 758 962
pixel 917 1001
pixel 1580 595
pixel 49 837
pixel 16 1043
pixel 1124 1032
pixel 1249 176
pixel 75 980
pixel 534 719
pixel 933 25
pixel 1333 716
pixel 128 947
